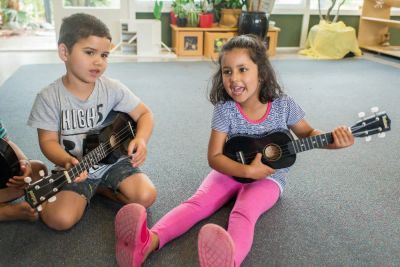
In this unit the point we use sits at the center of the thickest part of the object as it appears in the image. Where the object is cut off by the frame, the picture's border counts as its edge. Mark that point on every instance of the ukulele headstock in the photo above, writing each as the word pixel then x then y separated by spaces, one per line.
pixel 377 123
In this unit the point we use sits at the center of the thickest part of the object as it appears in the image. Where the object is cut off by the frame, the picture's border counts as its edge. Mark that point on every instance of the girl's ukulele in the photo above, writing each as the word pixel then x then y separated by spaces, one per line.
pixel 110 141
pixel 279 148
pixel 9 164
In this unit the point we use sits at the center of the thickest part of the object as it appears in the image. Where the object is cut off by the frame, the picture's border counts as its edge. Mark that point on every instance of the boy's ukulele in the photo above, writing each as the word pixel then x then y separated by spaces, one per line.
pixel 279 148
pixel 117 128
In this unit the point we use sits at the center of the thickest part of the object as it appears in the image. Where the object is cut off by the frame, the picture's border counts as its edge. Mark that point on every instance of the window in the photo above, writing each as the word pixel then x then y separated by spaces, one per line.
pixel 92 3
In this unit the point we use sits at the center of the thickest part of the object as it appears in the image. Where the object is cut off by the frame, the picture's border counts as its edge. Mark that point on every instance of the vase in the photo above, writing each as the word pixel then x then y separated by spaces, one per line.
pixel 172 16
pixel 229 17
pixel 181 22
pixel 206 20
pixel 253 23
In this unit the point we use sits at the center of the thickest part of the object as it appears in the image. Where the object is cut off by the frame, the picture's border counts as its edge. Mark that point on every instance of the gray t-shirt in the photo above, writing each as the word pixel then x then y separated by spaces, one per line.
pixel 282 112
pixel 56 109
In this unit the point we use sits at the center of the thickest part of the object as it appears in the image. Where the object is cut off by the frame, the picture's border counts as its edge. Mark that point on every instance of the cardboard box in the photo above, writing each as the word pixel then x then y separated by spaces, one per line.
pixel 189 43
pixel 213 42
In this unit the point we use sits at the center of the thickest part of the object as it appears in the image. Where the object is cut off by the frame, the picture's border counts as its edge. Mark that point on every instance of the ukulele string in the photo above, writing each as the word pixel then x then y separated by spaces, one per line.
pixel 284 148
pixel 125 132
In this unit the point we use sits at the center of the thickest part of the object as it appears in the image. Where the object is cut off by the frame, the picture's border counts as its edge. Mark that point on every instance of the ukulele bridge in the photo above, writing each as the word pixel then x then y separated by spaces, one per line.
pixel 240 157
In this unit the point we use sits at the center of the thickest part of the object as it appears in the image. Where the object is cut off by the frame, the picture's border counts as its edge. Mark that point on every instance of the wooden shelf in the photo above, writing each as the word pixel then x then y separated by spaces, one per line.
pixel 375 22
pixel 192 34
pixel 389 22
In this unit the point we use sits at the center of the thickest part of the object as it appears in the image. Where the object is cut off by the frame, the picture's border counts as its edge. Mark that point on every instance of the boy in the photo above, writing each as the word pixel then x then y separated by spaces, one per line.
pixel 77 102
pixel 15 186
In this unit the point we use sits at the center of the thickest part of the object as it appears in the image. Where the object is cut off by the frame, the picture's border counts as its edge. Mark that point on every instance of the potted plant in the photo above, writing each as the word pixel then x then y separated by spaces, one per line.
pixel 180 12
pixel 228 11
pixel 254 19
pixel 206 18
pixel 192 14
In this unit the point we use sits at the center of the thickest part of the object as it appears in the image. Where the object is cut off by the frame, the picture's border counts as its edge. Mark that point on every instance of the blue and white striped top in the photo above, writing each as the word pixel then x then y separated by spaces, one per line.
pixel 3 131
pixel 281 113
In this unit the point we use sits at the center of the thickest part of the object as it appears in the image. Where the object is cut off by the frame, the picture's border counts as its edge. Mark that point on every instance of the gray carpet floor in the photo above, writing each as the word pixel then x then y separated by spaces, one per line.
pixel 340 208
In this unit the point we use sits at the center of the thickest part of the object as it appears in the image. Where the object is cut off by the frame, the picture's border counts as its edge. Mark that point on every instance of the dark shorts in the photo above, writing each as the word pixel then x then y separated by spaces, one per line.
pixel 111 179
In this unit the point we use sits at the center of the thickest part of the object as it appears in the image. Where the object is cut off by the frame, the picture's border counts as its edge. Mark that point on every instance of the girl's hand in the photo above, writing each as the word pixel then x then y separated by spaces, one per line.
pixel 18 182
pixel 137 151
pixel 342 137
pixel 72 162
pixel 259 170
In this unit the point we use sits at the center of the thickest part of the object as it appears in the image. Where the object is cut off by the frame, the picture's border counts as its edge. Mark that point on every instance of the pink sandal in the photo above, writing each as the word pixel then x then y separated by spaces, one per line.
pixel 132 235
pixel 215 247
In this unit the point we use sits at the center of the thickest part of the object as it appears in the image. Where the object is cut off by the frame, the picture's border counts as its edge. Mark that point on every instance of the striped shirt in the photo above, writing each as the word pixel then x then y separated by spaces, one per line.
pixel 3 131
pixel 281 113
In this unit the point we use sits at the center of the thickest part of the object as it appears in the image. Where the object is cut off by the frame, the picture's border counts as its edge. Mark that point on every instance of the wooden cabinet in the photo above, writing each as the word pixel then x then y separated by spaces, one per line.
pixel 195 41
pixel 374 27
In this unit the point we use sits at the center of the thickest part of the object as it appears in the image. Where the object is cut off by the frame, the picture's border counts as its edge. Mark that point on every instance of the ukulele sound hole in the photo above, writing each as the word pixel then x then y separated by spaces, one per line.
pixel 272 152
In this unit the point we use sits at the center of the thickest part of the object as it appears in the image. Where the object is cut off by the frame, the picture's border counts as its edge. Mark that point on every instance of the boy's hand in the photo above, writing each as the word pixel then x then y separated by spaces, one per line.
pixel 72 162
pixel 137 151
pixel 259 170
pixel 342 137
pixel 18 182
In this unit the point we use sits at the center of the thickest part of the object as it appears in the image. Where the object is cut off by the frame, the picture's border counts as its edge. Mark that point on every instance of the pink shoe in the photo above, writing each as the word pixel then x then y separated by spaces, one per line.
pixel 132 235
pixel 215 247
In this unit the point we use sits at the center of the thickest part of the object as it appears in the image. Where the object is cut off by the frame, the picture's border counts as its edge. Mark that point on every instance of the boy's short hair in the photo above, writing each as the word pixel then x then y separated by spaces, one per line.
pixel 79 26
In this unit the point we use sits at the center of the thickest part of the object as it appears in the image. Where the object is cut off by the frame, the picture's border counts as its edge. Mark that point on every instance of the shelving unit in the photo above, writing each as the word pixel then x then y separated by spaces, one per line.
pixel 374 27
pixel 141 37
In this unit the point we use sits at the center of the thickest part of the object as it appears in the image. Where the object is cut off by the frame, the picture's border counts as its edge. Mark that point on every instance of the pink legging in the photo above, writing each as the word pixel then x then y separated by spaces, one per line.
pixel 252 200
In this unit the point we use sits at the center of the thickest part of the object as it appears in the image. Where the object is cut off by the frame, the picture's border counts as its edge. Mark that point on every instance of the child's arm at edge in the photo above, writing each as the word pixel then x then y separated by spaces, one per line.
pixel 138 146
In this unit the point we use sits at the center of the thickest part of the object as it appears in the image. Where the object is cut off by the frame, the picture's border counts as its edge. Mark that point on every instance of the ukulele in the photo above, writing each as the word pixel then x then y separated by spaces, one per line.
pixel 9 163
pixel 279 148
pixel 115 132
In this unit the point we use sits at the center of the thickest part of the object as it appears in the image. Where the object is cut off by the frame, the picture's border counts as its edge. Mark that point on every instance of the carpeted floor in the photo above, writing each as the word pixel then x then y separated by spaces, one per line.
pixel 340 208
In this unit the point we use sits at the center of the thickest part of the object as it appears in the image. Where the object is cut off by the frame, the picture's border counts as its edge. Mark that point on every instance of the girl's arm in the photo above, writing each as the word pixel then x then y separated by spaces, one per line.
pixel 144 119
pixel 219 162
pixel 48 141
pixel 342 137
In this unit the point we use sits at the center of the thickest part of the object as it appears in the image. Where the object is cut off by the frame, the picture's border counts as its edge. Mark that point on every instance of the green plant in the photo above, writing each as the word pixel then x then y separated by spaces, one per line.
pixel 206 6
pixel 178 6
pixel 158 5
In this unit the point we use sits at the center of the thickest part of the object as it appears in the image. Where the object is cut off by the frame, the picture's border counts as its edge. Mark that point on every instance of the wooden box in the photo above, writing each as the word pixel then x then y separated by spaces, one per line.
pixel 272 40
pixel 213 42
pixel 189 43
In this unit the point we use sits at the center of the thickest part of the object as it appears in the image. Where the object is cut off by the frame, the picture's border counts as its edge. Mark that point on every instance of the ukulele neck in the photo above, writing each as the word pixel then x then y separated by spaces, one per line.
pixel 308 143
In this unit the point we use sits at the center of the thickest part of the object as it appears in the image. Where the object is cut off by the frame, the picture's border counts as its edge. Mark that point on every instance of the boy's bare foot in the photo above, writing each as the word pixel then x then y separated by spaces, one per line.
pixel 19 211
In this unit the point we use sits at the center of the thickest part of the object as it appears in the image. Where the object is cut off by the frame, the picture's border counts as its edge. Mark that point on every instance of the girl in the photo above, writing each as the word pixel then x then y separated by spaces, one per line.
pixel 247 100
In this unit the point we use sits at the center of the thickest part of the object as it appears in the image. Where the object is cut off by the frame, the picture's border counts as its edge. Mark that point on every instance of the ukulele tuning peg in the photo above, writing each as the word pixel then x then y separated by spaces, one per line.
pixel 39 208
pixel 27 179
pixel 368 138
pixel 361 114
pixel 374 109
pixel 41 173
pixel 52 199
pixel 381 135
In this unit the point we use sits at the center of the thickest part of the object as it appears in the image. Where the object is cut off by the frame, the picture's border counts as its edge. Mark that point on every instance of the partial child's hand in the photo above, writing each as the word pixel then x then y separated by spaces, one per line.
pixel 18 182
pixel 72 162
pixel 342 137
pixel 259 170
pixel 137 151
